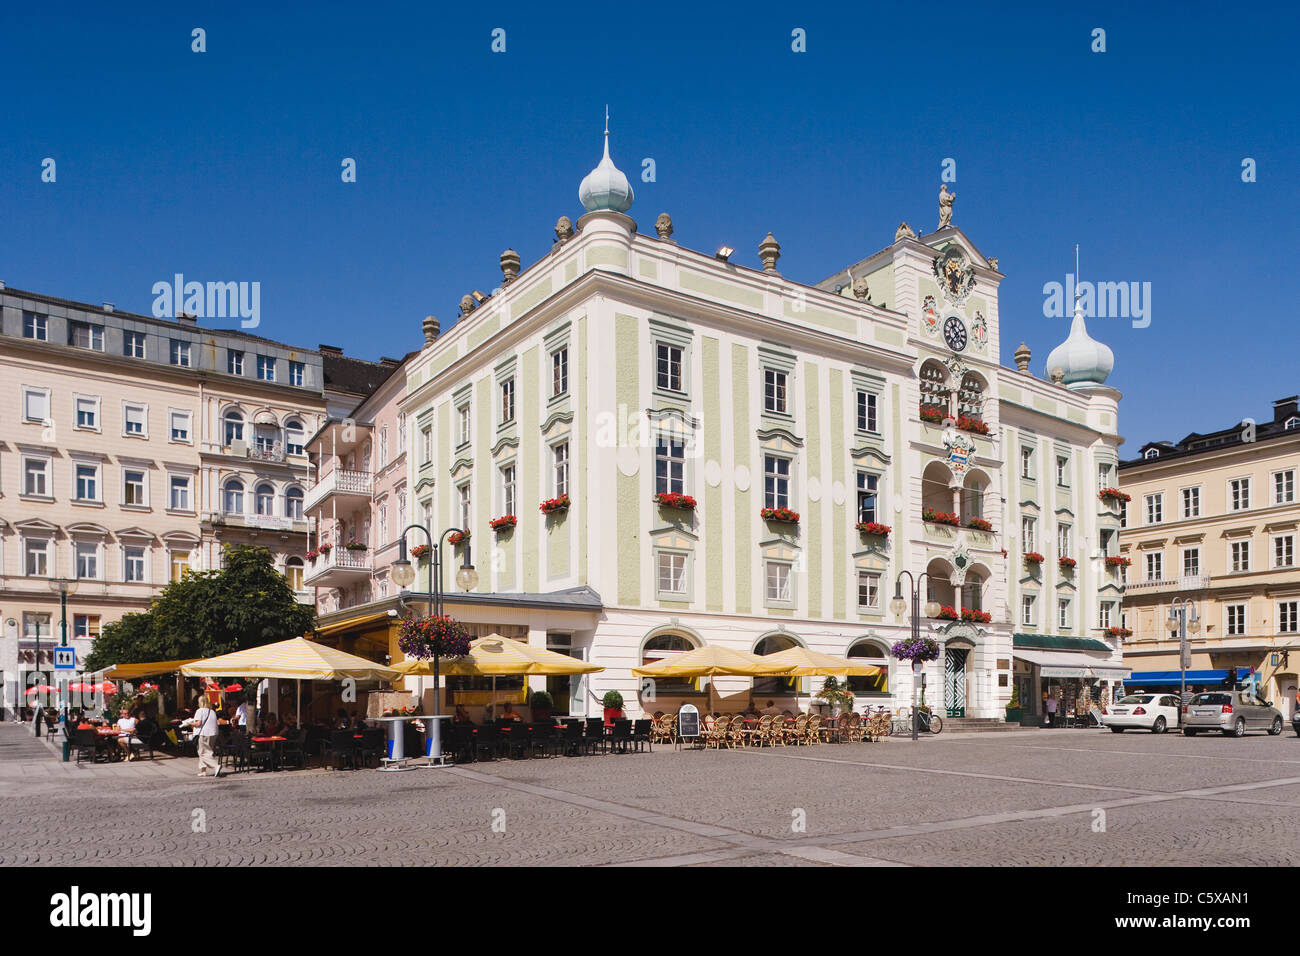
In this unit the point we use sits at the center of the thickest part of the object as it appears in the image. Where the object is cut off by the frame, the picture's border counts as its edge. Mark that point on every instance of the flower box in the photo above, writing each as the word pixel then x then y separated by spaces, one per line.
pixel 554 505
pixel 672 499
pixel 400 712
pixel 979 524
pixel 1114 494
pixel 1118 562
pixel 312 556
pixel 933 413
pixel 326 548
pixel 976 617
pixel 1033 557
pixel 947 613
pixel 356 546
pixel 419 551
pixel 456 537
pixel 1067 564
pixel 968 424
pixel 940 517
pixel 920 649
pixel 779 514
pixel 1119 632
pixel 874 527
pixel 504 523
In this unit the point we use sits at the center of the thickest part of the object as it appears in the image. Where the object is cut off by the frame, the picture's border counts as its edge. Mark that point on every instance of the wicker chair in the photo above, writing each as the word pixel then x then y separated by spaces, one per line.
pixel 759 735
pixel 813 729
pixel 800 733
pixel 777 733
pixel 716 734
pixel 738 732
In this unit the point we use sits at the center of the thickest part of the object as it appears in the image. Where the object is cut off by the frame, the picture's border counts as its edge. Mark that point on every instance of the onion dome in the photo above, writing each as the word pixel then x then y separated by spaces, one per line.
pixel 1081 358
pixel 605 187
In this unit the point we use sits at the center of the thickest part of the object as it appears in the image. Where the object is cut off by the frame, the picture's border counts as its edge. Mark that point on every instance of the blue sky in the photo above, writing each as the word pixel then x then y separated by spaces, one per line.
pixel 225 165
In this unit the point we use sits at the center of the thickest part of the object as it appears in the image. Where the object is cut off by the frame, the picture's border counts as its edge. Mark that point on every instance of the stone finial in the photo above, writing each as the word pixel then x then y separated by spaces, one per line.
pixel 993 263
pixel 904 231
pixel 664 225
pixel 860 290
pixel 431 329
pixel 1022 357
pixel 769 250
pixel 509 266
pixel 1057 375
pixel 466 304
pixel 563 229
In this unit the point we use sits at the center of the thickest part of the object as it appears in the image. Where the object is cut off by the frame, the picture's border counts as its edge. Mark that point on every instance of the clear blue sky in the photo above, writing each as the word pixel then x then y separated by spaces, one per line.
pixel 225 165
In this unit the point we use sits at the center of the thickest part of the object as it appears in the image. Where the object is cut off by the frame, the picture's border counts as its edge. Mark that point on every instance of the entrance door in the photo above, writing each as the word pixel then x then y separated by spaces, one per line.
pixel 954 682
pixel 1286 695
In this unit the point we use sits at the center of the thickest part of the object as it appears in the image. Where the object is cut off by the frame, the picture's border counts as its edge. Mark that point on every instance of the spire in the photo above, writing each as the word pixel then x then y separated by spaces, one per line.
pixel 1081 358
pixel 605 187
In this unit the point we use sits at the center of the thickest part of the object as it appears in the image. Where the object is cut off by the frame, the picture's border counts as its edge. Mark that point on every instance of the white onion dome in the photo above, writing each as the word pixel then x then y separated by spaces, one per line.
pixel 1083 359
pixel 605 187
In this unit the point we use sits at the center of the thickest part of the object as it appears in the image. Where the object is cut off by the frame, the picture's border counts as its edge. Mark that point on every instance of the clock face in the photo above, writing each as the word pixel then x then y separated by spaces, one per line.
pixel 954 333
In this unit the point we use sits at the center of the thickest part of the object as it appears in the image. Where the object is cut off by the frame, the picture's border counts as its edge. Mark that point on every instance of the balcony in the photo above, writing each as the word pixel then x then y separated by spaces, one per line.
pixel 259 522
pixel 338 568
pixel 307 596
pixel 357 484
pixel 1188 582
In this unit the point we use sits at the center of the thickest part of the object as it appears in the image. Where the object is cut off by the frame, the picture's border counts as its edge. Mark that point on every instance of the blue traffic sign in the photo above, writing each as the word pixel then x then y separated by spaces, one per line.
pixel 65 658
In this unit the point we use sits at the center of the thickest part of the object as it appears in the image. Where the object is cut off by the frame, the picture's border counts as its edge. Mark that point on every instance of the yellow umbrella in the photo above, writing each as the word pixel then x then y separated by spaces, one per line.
pixel 294 659
pixel 493 655
pixel 132 671
pixel 801 662
pixel 709 661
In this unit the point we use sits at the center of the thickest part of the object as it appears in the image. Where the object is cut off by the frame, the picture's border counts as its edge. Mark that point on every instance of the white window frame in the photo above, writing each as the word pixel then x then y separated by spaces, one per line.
pixel 1027 469
pixel 144 564
pixel 665 444
pixel 662 347
pixel 774 501
pixel 1063 471
pixel 1064 541
pixel 1288 612
pixel 776 391
pixel 1284 542
pixel 294 493
pixel 95 337
pixel 235 362
pixel 1236 551
pixel 560 371
pixel 297 373
pixel 1029 610
pixel 465 503
pixel 96 554
pixel 265 364
pixel 143 409
pixel 508 408
pixel 866 411
pixel 1156 560
pixel 1243 619
pixel 32 546
pixel 144 486
pixel 97 420
pixel 30 391
pixel 172 478
pixel 426 444
pixel 508 486
pixel 464 424
pixel 1239 494
pixel 187 417
pixel 47 472
pixel 98 480
pixel 180 353
pixel 561 469
pixel 769 565
pixel 681 571
pixel 1155 505
pixel 1028 534
pixel 131 338
pixel 1191 501
pixel 870 578
pixel 1284 480
pixel 39 323
pixel 1182 561
pixel 1064 613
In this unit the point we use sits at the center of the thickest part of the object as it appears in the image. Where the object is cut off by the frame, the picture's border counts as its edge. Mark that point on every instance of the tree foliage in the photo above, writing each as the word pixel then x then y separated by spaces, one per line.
pixel 245 604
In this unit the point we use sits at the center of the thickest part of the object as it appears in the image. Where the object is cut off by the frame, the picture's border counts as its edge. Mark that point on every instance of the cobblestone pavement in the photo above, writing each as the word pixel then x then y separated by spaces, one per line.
pixel 1043 798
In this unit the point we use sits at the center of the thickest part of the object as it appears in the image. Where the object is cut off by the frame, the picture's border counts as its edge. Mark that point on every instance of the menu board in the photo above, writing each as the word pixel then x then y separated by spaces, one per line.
pixel 688 721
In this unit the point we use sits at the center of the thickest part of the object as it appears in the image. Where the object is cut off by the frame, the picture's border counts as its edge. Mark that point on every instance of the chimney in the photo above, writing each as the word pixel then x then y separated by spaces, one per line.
pixel 431 329
pixel 1022 357
pixel 108 306
pixel 184 318
pixel 1285 408
pixel 509 266
pixel 333 351
pixel 769 250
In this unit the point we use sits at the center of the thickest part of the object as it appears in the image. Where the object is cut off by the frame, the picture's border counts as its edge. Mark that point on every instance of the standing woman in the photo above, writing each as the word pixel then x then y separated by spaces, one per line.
pixel 205 723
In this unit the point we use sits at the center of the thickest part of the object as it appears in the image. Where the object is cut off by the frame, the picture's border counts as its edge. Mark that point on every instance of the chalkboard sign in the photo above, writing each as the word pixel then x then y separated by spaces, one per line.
pixel 688 721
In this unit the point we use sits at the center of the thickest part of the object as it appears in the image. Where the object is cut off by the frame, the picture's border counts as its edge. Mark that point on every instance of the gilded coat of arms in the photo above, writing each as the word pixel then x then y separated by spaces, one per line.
pixel 930 316
pixel 961 450
pixel 956 276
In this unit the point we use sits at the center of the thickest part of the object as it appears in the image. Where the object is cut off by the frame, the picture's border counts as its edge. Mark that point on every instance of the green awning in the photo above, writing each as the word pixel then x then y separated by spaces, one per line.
pixel 1057 642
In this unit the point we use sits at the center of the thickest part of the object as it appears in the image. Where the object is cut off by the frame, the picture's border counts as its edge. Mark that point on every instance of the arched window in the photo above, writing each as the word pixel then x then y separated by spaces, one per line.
pixel 663 646
pixel 234 426
pixel 293 573
pixel 869 652
pixel 232 497
pixel 293 504
pixel 265 502
pixel 972 591
pixel 293 437
pixel 775 686
pixel 970 397
pixel 935 393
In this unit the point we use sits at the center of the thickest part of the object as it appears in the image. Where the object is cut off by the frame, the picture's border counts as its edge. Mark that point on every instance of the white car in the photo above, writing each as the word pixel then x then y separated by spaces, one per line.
pixel 1153 712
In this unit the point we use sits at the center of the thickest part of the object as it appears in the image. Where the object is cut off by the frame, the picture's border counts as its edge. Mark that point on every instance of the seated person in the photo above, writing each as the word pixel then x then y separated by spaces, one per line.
pixel 770 708
pixel 341 721
pixel 126 726
pixel 508 712
pixel 461 716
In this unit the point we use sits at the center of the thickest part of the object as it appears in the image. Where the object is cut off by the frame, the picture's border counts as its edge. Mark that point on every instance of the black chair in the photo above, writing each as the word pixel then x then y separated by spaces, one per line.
pixel 485 741
pixel 373 746
pixel 150 736
pixel 86 744
pixel 294 750
pixel 546 737
pixel 341 751
pixel 595 735
pixel 641 734
pixel 459 745
pixel 571 739
pixel 621 735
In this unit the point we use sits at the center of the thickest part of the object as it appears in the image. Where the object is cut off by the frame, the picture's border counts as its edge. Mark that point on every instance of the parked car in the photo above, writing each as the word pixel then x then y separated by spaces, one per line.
pixel 1230 712
pixel 1295 718
pixel 1153 712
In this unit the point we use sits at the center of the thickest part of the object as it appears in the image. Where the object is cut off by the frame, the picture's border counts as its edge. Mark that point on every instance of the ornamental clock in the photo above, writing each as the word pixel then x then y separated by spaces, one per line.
pixel 954 333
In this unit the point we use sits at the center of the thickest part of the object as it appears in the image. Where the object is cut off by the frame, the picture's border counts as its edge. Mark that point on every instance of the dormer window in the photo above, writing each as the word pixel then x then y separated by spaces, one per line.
pixel 1151 453
pixel 1290 423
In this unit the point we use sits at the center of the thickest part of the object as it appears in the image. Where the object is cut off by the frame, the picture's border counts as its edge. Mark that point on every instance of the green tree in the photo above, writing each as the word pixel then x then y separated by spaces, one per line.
pixel 245 604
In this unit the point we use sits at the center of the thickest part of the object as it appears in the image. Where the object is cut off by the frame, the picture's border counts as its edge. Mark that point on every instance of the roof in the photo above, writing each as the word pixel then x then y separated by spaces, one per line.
pixel 570 599
pixel 347 374
pixel 1195 443
pixel 1056 642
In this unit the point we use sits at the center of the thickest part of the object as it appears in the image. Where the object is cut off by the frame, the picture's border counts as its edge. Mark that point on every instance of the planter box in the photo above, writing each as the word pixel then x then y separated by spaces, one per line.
pixel 1014 716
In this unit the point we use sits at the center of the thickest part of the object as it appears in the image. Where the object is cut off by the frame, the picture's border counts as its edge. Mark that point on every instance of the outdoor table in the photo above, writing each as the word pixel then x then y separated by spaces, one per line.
pixel 397 741
pixel 274 748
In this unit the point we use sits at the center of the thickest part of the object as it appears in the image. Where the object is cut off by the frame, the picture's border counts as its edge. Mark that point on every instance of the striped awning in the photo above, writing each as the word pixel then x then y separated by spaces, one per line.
pixel 294 659
pixel 148 669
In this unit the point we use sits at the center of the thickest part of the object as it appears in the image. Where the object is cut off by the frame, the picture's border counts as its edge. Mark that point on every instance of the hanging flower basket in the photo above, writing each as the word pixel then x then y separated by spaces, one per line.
pixel 1067 564
pixel 312 556
pixel 672 499
pixel 1119 632
pixel 1033 557
pixel 779 514
pixel 968 424
pixel 1118 562
pixel 326 548
pixel 356 546
pixel 916 649
pixel 424 637
pixel 874 527
pixel 554 505
pixel 420 551
pixel 940 517
pixel 976 617
pixel 456 537
pixel 1114 494
pixel 504 523
pixel 979 524
pixel 933 413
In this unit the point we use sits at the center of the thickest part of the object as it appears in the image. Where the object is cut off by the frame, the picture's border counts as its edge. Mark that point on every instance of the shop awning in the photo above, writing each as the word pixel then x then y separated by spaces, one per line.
pixel 1175 678
pixel 1058 642
pixel 1072 664
pixel 132 671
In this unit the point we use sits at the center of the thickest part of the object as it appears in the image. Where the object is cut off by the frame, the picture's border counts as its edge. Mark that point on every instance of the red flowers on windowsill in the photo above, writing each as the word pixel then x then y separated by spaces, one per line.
pixel 1067 564
pixel 1118 562
pixel 948 613
pixel 968 424
pixel 979 524
pixel 673 499
pixel 554 505
pixel 779 514
pixel 1033 557
pixel 940 517
pixel 1119 632
pixel 456 537
pixel 504 523
pixel 419 551
pixel 1114 494
pixel 874 527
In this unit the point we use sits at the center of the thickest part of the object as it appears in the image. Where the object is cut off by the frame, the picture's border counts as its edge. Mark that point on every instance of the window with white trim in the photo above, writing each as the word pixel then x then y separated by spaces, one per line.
pixel 295 437
pixel 232 497
pixel 668 367
pixel 560 460
pixel 1284 487
pixel 1063 542
pixel 1191 562
pixel 1155 508
pixel 36 327
pixel 1155 562
pixel 36 557
pixel 232 426
pixel 1063 620
pixel 778 581
pixel 1239 494
pixel 86 560
pixel 401 433
pixel 178 426
pixel 507 401
pixel 465 506
pixel 135 490
pixel 297 373
pixel 266 368
pixel 670 465
pixel 293 504
pixel 466 423
pixel 1028 610
pixel 776 481
pixel 775 383
pixel 1235 619
pixel 1104 611
pixel 84 335
pixel 559 371
pixel 1239 556
pixel 1284 551
pixel 1288 617
pixel 36 405
pixel 671 568
pixel 180 353
pixel 508 502
pixel 178 564
pixel 86 482
pixel 133 564
pixel 1192 502
pixel 264 500
pixel 1028 535
pixel 87 413
pixel 135 421
pixel 133 344
pixel 868 496
pixel 178 492
pixel 426 444
pixel 868 590
pixel 36 477
pixel 1026 462
pixel 235 362
pixel 1062 471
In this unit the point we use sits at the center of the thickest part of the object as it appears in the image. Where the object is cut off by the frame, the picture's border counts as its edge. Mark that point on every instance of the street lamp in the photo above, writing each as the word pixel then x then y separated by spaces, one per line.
pixel 63 587
pixel 1179 624
pixel 404 576
pixel 898 605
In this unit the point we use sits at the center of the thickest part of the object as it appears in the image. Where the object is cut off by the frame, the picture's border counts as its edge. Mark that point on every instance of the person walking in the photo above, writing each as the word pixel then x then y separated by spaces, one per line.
pixel 1051 709
pixel 205 723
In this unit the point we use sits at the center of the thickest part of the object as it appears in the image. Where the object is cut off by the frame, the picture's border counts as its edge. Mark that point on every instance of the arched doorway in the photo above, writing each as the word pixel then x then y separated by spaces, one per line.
pixel 776 686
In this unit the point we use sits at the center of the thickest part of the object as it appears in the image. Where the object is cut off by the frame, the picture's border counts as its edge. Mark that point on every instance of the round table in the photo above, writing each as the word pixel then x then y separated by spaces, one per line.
pixel 397 739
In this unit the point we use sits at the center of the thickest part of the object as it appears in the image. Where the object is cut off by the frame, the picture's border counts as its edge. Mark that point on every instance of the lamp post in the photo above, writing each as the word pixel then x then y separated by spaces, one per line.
pixel 898 606
pixel 404 576
pixel 64 587
pixel 1179 624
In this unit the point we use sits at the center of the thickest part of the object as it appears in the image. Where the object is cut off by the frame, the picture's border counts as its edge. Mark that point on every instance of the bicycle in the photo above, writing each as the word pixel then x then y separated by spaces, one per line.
pixel 927 722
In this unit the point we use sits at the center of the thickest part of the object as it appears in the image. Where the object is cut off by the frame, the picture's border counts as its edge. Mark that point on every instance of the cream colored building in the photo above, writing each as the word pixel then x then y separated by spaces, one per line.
pixel 1214 519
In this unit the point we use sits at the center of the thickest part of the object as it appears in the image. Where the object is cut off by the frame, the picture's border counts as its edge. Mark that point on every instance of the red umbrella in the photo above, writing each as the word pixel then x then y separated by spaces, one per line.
pixel 107 687
pixel 41 689
pixel 81 687
pixel 233 689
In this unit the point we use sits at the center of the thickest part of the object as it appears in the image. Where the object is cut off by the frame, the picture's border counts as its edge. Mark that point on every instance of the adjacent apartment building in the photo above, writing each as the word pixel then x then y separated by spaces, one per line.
pixel 1214 520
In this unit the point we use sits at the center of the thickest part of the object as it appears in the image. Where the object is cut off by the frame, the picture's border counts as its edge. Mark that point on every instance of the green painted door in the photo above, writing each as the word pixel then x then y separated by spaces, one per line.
pixel 954 682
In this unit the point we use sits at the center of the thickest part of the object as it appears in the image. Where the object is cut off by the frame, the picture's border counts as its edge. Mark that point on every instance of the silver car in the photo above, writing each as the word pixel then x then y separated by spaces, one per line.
pixel 1230 712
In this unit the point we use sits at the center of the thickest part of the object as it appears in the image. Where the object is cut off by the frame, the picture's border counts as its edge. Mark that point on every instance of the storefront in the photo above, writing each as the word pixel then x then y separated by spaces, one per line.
pixel 1074 674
